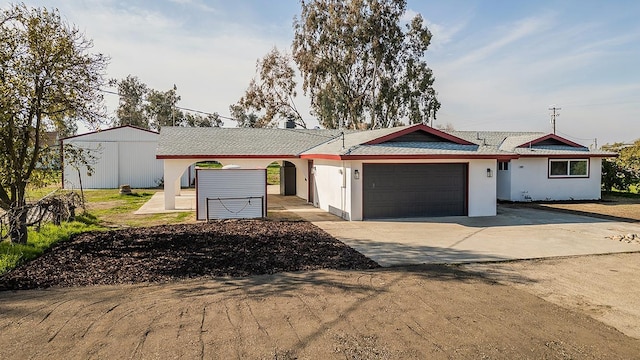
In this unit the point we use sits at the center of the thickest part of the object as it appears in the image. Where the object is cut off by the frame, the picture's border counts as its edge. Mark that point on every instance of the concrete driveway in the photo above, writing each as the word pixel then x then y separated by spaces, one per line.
pixel 515 233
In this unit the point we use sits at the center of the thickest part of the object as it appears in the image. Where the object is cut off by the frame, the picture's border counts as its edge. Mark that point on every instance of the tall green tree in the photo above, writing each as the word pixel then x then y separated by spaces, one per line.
pixel 48 76
pixel 361 66
pixel 271 93
pixel 131 106
pixel 244 118
pixel 197 120
pixel 161 108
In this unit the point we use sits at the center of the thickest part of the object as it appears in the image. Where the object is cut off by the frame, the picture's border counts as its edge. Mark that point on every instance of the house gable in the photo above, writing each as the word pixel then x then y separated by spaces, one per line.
pixel 550 140
pixel 109 130
pixel 419 133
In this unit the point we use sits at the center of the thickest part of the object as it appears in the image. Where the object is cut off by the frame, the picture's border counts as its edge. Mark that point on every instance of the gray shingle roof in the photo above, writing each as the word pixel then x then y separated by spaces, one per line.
pixel 184 141
pixel 203 142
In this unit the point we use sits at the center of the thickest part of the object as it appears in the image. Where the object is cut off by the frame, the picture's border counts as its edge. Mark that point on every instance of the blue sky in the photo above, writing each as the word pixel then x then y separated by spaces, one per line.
pixel 499 65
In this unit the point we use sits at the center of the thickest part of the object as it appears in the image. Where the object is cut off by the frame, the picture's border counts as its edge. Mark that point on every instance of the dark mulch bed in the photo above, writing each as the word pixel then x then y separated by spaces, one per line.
pixel 164 253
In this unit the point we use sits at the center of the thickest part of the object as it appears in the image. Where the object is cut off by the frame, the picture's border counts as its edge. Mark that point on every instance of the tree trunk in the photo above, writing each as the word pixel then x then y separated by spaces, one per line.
pixel 84 208
pixel 18 224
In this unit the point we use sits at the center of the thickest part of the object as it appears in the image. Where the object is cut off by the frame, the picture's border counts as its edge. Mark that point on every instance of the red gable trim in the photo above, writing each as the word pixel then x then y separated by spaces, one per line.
pixel 419 127
pixel 213 156
pixel 554 137
pixel 113 128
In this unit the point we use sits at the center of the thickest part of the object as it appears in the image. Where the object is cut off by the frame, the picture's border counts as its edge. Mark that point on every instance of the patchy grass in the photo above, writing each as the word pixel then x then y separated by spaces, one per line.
pixel 273 174
pixel 12 255
pixel 633 194
pixel 112 209
pixel 36 193
pixel 209 165
pixel 105 209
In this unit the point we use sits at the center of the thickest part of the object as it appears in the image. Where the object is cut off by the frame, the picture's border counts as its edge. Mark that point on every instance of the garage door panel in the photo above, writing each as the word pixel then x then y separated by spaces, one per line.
pixel 414 190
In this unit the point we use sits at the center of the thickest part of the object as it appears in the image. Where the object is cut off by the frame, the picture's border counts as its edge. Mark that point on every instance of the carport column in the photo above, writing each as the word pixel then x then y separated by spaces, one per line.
pixel 172 171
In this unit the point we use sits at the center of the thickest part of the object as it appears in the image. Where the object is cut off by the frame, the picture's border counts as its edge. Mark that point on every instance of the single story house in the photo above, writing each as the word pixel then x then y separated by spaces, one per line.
pixel 118 156
pixel 408 171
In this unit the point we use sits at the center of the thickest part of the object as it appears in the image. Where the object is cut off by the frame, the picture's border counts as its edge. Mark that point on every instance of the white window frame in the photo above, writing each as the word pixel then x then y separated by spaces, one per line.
pixel 568 174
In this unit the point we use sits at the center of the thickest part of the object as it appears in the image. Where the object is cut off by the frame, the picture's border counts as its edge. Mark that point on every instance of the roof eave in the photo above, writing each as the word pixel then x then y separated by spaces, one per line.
pixel 569 156
pixel 213 156
pixel 410 157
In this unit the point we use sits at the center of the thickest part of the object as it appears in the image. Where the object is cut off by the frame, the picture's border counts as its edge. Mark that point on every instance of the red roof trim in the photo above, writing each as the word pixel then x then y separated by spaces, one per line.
pixel 551 136
pixel 572 156
pixel 177 157
pixel 406 157
pixel 321 156
pixel 109 129
pixel 419 127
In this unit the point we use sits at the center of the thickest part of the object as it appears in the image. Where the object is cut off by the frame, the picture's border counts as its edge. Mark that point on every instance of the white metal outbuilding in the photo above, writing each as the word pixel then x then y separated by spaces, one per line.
pixel 123 155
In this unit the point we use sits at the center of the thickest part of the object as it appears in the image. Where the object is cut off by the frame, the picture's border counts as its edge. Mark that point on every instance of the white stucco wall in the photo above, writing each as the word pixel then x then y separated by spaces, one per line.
pixel 482 188
pixel 331 180
pixel 530 182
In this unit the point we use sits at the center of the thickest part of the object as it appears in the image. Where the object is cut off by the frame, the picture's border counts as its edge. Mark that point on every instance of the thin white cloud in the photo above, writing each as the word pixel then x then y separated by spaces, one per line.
pixel 197 4
pixel 511 34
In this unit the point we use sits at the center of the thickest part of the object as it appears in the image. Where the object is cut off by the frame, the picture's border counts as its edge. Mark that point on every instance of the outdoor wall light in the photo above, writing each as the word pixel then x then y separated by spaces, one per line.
pixel 489 172
pixel 356 174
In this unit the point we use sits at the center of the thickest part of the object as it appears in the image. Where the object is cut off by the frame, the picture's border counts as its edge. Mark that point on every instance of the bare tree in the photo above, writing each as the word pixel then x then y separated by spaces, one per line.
pixel 271 93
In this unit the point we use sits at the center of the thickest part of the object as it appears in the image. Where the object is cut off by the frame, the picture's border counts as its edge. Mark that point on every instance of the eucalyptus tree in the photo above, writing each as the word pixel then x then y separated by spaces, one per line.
pixel 271 93
pixel 362 65
pixel 131 106
pixel 161 110
pixel 49 78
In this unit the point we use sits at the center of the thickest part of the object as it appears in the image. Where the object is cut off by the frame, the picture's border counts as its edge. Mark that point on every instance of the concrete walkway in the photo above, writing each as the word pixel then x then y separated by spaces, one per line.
pixel 515 233
pixel 185 202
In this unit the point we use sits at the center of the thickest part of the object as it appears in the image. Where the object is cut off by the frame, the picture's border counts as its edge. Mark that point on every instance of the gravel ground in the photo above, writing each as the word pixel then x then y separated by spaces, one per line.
pixel 234 248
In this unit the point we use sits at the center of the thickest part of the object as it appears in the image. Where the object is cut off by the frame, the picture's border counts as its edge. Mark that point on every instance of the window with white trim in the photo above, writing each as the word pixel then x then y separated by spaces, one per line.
pixel 568 168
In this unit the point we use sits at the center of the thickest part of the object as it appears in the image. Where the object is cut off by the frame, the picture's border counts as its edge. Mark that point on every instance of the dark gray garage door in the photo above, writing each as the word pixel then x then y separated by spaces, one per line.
pixel 414 190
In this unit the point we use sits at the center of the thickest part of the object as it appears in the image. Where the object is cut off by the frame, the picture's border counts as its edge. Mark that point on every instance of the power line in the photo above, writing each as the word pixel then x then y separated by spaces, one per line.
pixel 181 107
pixel 178 107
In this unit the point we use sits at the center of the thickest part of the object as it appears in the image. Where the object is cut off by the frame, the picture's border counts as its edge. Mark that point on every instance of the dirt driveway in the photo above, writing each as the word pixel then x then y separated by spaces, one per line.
pixel 563 308
pixel 417 312
pixel 606 288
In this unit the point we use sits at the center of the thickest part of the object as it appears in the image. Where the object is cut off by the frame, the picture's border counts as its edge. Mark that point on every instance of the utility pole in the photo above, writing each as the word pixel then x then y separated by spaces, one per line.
pixel 554 114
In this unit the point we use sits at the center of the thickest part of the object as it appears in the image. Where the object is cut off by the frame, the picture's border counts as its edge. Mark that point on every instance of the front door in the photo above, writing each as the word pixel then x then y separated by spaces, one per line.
pixel 310 182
